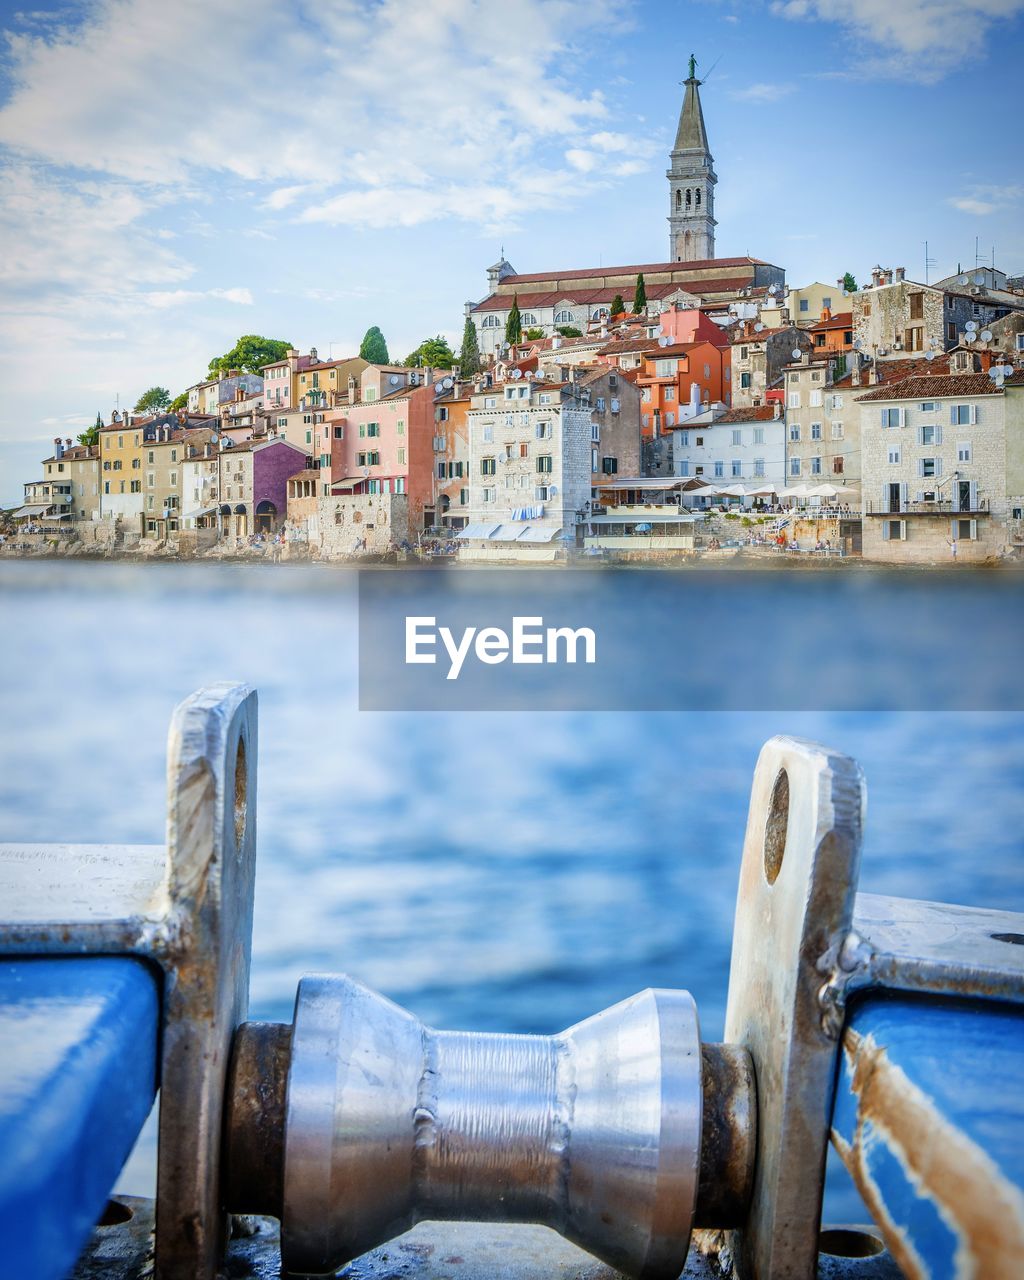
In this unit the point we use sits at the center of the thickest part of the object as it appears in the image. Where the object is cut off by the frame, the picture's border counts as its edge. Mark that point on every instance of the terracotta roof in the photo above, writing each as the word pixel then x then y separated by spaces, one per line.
pixel 548 298
pixel 892 371
pixel 934 387
pixel 590 272
pixel 757 413
pixel 761 335
pixel 842 321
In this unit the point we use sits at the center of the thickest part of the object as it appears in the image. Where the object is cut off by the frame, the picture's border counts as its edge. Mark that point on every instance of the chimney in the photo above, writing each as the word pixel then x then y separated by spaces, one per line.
pixel 841 283
pixel 901 274
pixel 873 375
pixel 855 368
pixel 58 448
pixel 876 277
pixel 777 409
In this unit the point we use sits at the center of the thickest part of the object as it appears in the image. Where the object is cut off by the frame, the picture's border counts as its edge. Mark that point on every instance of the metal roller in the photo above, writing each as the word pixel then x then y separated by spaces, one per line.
pixel 381 1122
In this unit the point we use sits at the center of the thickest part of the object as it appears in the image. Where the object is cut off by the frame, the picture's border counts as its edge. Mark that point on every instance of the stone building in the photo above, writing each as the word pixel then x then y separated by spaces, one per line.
pixel 943 467
pixel 529 470
pixel 614 405
pixel 759 355
pixel 731 446
pixel 822 422
pixel 79 466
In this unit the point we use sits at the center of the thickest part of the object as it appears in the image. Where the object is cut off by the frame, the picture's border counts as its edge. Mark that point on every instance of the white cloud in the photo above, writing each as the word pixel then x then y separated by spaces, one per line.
pixel 762 92
pixel 162 299
pixel 918 39
pixel 983 200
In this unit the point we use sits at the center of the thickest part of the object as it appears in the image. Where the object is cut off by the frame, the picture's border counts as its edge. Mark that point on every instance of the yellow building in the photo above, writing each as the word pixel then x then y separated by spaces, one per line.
pixel 804 305
pixel 287 382
pixel 121 448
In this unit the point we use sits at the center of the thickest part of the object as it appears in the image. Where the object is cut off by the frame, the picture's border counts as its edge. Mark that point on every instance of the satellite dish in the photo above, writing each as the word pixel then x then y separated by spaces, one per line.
pixel 964 280
pixel 552 490
pixel 664 341
pixel 979 278
pixel 970 326
pixel 395 379
pixel 857 344
pixel 796 353
pixel 996 372
pixel 986 335
pixel 517 373
pixel 758 327
pixel 929 355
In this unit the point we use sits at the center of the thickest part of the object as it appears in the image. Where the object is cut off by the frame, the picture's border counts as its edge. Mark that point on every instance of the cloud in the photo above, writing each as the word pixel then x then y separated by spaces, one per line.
pixel 918 39
pixel 983 200
pixel 178 297
pixel 762 92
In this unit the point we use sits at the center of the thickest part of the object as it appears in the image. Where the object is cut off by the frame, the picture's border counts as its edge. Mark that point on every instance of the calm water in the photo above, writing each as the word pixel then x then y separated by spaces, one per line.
pixel 601 858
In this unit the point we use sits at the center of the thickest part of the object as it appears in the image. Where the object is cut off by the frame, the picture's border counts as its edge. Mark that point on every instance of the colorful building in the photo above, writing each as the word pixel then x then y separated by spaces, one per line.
pixel 252 484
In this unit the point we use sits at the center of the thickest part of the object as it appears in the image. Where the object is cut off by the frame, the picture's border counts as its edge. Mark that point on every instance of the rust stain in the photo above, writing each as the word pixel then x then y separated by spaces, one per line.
pixel 981 1206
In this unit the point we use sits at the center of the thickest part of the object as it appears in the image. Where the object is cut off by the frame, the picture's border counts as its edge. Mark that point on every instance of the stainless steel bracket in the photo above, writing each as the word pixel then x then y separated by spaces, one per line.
pixel 804 943
pixel 187 907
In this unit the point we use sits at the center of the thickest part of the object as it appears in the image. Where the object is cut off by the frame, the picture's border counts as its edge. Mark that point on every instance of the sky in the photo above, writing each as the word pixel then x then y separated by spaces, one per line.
pixel 175 173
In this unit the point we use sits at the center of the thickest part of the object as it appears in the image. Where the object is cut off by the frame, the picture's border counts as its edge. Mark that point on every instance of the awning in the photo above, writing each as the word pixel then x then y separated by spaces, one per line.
pixel 200 511
pixel 240 509
pixel 349 482
pixel 539 533
pixel 645 482
pixel 479 530
pixel 31 510
pixel 225 510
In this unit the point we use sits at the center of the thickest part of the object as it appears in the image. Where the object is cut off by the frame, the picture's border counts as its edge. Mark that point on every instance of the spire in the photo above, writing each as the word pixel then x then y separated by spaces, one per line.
pixel 691 134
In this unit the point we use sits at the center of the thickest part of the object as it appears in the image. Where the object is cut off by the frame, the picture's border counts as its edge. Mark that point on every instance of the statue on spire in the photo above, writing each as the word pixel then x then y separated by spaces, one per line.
pixel 693 67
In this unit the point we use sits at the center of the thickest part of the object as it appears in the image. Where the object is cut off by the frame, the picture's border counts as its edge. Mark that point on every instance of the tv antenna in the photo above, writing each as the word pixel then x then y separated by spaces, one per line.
pixel 928 262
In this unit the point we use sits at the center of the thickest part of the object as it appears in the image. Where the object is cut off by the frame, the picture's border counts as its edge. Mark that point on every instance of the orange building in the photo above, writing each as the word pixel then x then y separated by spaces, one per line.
pixel 833 334
pixel 668 378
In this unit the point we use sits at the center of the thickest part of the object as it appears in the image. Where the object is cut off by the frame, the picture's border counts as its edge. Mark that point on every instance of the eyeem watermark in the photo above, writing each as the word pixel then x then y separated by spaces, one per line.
pixel 530 642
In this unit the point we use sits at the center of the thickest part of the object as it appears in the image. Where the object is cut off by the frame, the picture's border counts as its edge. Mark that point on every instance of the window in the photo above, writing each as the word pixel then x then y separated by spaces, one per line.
pixel 564 317
pixel 737 436
pixel 487 435
pixel 962 415
pixel 917 306
pixel 815 400
pixel 929 434
pixel 894 455
pixel 541 492
pixel 805 304
pixel 743 353
pixel 106 486
pixel 610 466
pixel 894 417
pixel 441 470
pixel 491 322
pixel 670 394
pixel 684 467
pixel 794 431
pixel 744 380
pixel 794 466
pixel 963 451
pixel 707 371
pixel 737 469
pixel 600 401
pixel 759 466
pixel 837 431
pixel 463 497
pixel 488 466
pixel 699 442
pixel 951 330
pixel 488 495
pixel 816 466
pixel 595 433
pixel 794 399
pixel 719 470
pixel 136 486
pixel 1020 341
pixel 929 467
pixel 894 530
pixel 151 479
pixel 545 398
pixel 964 530
pixel 152 457
pixel 544 462
pixel 815 430
pixel 826 302
pixel 593 459
pixel 838 466
pixel 542 431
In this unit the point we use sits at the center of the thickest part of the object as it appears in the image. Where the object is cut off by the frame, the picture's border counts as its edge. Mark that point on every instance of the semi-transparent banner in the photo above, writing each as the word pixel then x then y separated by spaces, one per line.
pixel 732 640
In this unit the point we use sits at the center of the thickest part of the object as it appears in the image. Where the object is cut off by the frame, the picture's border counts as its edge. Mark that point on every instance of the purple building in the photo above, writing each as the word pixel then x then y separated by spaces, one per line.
pixel 253 484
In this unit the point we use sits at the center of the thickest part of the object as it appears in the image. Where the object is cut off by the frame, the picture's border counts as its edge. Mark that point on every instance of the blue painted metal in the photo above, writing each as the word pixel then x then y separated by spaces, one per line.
pixel 929 1118
pixel 78 1075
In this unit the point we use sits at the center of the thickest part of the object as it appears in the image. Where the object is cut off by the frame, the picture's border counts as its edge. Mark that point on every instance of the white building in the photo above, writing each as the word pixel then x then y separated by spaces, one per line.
pixel 731 446
pixel 529 470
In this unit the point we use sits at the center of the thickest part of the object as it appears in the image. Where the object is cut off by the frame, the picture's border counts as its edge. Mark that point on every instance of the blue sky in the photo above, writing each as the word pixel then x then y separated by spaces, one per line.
pixel 174 173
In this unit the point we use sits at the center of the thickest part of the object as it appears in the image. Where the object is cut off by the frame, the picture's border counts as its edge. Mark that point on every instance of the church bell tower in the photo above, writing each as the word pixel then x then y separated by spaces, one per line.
pixel 691 182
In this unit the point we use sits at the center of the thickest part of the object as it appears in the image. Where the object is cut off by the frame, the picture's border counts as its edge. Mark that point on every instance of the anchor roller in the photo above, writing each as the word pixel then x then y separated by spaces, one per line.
pixel 359 1121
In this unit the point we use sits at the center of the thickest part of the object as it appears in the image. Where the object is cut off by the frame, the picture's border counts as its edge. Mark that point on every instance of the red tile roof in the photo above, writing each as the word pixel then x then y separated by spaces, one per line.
pixel 648 267
pixel 892 371
pixel 842 321
pixel 935 386
pixel 548 298
pixel 757 413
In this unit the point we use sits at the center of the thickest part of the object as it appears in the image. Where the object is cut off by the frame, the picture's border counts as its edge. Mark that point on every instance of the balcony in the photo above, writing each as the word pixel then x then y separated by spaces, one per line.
pixel 941 507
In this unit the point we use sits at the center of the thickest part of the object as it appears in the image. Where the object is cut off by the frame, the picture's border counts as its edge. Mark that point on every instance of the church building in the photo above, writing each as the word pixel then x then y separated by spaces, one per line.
pixel 691 276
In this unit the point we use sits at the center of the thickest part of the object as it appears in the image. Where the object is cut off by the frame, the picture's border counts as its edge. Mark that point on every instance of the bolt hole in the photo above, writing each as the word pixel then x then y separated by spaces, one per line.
pixel 776 826
pixel 1017 939
pixel 241 789
pixel 115 1214
pixel 843 1242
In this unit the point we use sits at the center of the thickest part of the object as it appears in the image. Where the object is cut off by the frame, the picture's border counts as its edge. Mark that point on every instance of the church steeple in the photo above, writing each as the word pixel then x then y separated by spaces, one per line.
pixel 691 179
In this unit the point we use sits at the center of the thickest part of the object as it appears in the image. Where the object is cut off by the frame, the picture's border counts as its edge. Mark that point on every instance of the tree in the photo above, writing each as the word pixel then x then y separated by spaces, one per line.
pixel 849 282
pixel 618 307
pixel 532 335
pixel 469 355
pixel 179 403
pixel 250 353
pixel 570 331
pixel 373 348
pixel 640 296
pixel 153 400
pixel 514 324
pixel 434 352
pixel 92 434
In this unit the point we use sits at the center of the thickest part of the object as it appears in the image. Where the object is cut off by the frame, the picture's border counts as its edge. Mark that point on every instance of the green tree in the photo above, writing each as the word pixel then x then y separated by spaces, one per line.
pixel 531 335
pixel 373 347
pixel 153 400
pixel 618 306
pixel 179 403
pixel 434 352
pixel 514 324
pixel 92 434
pixel 250 353
pixel 469 355
pixel 640 296
pixel 850 282
pixel 570 331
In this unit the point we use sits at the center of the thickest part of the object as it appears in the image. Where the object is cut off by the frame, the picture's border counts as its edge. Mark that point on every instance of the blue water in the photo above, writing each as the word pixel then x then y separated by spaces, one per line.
pixel 488 870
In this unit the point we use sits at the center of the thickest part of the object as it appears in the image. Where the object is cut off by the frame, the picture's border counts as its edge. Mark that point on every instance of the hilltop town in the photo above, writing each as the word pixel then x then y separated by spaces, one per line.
pixel 695 406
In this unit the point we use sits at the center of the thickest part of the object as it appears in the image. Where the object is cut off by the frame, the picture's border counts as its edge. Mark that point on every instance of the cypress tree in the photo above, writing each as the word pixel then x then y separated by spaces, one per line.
pixel 469 355
pixel 618 306
pixel 373 348
pixel 640 297
pixel 514 324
